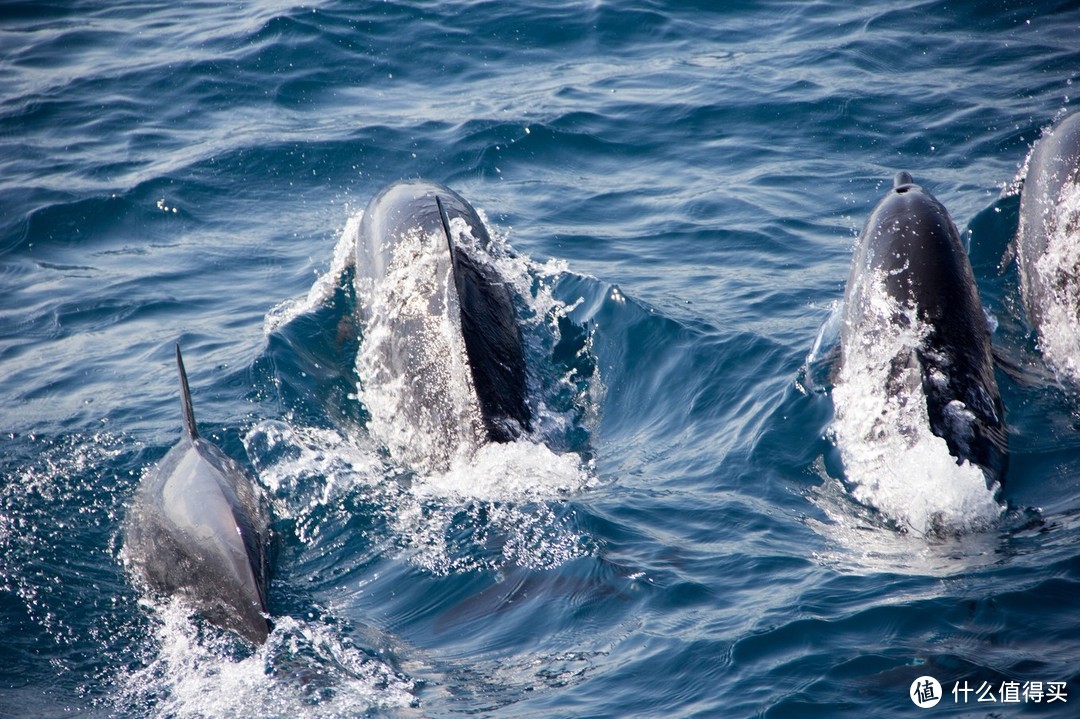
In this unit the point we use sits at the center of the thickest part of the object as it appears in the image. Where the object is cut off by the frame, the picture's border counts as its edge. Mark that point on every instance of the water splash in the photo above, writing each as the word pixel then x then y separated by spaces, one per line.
pixel 503 506
pixel 307 469
pixel 1059 271
pixel 304 670
pixel 862 541
pixel 426 413
pixel 50 499
pixel 893 462
pixel 322 291
pixel 500 508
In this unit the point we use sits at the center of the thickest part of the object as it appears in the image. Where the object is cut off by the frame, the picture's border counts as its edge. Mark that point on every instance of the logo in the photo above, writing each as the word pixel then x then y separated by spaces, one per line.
pixel 925 692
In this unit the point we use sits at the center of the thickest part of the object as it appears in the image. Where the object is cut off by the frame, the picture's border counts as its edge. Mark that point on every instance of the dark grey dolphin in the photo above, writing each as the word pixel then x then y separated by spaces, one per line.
pixel 199 527
pixel 911 246
pixel 410 222
pixel 1054 166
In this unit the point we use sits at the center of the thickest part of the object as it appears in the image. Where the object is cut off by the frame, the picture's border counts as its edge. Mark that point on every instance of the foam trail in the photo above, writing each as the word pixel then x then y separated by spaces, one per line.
pixel 893 462
pixel 509 497
pixel 303 671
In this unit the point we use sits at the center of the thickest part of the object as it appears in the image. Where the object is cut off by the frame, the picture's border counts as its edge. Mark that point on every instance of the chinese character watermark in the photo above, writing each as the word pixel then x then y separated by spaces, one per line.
pixel 926 692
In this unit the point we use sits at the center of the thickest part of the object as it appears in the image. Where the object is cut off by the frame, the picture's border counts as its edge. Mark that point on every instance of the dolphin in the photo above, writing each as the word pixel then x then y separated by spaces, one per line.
pixel 439 323
pixel 1051 280
pixel 198 527
pixel 911 250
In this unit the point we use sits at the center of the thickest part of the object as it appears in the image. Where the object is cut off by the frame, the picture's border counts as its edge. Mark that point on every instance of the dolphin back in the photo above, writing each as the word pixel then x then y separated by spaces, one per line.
pixel 489 330
pixel 198 527
pixel 911 248
pixel 1053 166
pixel 491 333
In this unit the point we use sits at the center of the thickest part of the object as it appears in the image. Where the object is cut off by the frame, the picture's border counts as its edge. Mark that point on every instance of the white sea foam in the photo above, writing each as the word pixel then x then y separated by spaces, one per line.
pixel 514 471
pixel 859 542
pixel 303 670
pixel 893 462
pixel 412 336
pixel 1059 271
pixel 507 496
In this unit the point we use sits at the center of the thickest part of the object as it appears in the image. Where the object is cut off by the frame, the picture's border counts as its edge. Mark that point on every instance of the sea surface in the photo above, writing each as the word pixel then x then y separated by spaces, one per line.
pixel 675 189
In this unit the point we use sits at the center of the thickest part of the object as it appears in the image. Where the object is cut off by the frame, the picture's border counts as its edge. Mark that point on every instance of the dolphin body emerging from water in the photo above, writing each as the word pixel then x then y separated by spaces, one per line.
pixel 199 527
pixel 911 245
pixel 1053 168
pixel 424 295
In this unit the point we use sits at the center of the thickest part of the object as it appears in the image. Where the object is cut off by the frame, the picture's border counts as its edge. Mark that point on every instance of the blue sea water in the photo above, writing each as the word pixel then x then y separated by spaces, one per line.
pixel 676 188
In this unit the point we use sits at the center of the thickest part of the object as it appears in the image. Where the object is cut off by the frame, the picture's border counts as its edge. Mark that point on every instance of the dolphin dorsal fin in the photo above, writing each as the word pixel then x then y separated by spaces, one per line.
pixel 185 398
pixel 446 229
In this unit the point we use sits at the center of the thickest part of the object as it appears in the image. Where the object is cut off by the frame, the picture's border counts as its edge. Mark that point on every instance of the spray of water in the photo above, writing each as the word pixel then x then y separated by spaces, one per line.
pixel 893 462
pixel 305 669
pixel 413 317
pixel 1059 271
pixel 322 290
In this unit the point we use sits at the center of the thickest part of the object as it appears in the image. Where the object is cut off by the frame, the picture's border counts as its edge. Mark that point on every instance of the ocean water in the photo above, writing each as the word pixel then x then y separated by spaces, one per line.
pixel 675 190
